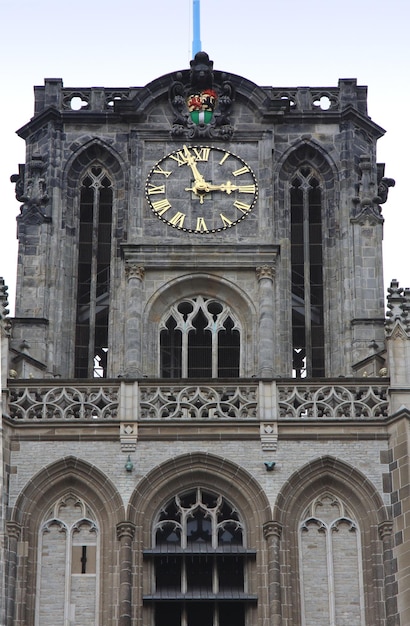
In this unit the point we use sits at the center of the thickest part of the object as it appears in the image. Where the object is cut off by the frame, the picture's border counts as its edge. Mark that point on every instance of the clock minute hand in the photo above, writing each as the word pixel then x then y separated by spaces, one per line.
pixel 190 160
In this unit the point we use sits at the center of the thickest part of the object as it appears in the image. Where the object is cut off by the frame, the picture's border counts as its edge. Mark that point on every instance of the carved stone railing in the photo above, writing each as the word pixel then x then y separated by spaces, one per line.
pixel 143 401
pixel 199 401
pixel 49 402
pixel 318 401
pixel 98 99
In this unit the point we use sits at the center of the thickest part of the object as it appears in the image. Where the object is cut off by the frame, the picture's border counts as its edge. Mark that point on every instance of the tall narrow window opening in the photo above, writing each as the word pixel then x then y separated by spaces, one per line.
pixel 307 275
pixel 199 338
pixel 330 564
pixel 94 254
pixel 199 558
pixel 68 565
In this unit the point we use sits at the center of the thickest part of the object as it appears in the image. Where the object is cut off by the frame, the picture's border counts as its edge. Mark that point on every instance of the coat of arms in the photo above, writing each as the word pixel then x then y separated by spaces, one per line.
pixel 201 106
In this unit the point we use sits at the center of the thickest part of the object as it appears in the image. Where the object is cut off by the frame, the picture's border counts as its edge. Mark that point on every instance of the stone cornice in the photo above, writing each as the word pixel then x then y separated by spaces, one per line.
pixel 201 256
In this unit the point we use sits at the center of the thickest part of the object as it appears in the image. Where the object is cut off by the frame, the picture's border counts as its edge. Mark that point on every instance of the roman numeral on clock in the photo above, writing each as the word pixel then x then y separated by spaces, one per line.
pixel 178 219
pixel 242 206
pixel 153 189
pixel 242 170
pixel 160 206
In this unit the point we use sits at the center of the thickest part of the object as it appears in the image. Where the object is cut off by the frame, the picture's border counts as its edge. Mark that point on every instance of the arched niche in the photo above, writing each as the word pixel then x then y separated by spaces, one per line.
pixel 205 285
pixel 68 477
pixel 207 472
pixel 321 477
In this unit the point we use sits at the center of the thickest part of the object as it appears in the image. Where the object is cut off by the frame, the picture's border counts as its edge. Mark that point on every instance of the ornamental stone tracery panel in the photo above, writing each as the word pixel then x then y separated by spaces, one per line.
pixel 199 337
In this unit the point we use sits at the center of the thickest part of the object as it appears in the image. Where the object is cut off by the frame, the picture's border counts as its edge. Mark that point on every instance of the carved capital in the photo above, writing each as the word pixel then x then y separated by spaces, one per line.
pixel 13 530
pixel 272 529
pixel 133 270
pixel 265 271
pixel 125 529
pixel 385 530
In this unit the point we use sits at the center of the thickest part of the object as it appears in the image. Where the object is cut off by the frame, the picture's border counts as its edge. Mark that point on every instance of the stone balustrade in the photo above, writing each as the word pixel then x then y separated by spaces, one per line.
pixel 98 99
pixel 147 400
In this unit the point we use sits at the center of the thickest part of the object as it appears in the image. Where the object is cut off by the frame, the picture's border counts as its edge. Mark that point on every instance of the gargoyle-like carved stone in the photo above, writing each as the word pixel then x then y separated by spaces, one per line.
pixel 5 323
pixel 398 303
pixel 383 188
pixel 201 108
pixel 367 202
pixel 31 190
pixel 3 300
pixel 18 179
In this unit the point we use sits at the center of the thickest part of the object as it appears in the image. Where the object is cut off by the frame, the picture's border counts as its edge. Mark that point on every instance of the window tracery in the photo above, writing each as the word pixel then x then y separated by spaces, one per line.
pixel 307 273
pixel 199 338
pixel 93 276
pixel 68 565
pixel 199 559
pixel 330 564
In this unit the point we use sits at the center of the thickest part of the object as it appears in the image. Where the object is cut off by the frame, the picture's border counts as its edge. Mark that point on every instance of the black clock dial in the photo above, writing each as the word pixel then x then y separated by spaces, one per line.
pixel 201 189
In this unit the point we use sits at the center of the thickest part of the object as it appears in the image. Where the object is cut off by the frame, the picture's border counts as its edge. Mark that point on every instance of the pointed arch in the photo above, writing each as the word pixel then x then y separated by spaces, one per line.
pixel 308 183
pixel 69 477
pixel 211 478
pixel 325 477
pixel 307 150
pixel 235 301
pixel 93 217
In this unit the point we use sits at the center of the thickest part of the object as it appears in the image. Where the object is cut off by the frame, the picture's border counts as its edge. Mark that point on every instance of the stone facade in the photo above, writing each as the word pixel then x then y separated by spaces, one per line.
pixel 235 383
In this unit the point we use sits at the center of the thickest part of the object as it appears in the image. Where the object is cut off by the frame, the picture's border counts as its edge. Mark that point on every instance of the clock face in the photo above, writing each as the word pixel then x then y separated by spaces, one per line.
pixel 200 189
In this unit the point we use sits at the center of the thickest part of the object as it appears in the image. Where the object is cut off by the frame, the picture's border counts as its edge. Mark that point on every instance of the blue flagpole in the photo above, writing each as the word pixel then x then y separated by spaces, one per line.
pixel 196 14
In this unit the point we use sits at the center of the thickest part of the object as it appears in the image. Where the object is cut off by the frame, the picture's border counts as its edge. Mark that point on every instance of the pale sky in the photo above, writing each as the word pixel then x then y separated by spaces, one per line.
pixel 280 43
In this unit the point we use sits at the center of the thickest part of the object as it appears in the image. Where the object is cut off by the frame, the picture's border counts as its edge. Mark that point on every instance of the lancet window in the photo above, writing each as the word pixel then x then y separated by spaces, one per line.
pixel 93 276
pixel 330 564
pixel 68 565
pixel 199 561
pixel 199 338
pixel 307 274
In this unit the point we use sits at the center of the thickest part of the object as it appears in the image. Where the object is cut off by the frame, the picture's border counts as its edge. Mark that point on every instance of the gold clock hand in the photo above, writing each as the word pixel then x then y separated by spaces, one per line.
pixel 227 187
pixel 190 159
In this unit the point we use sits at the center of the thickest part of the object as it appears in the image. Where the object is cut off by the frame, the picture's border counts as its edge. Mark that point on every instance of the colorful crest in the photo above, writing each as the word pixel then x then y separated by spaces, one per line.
pixel 201 106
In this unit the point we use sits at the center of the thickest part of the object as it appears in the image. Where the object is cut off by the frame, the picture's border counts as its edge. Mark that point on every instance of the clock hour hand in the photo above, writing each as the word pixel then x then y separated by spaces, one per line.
pixel 227 187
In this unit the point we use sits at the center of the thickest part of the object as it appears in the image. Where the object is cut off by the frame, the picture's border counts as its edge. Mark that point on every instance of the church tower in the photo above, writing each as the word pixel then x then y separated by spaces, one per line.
pixel 205 416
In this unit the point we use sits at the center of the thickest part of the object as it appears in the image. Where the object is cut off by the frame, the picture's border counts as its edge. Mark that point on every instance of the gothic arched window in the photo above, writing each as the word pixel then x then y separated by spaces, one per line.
pixel 199 561
pixel 93 276
pixel 307 274
pixel 68 565
pixel 199 338
pixel 330 564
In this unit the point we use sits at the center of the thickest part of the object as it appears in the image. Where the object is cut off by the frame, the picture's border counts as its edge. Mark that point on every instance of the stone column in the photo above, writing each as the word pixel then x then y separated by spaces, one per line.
pixel 386 535
pixel 13 532
pixel 265 275
pixel 133 320
pixel 272 532
pixel 125 535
